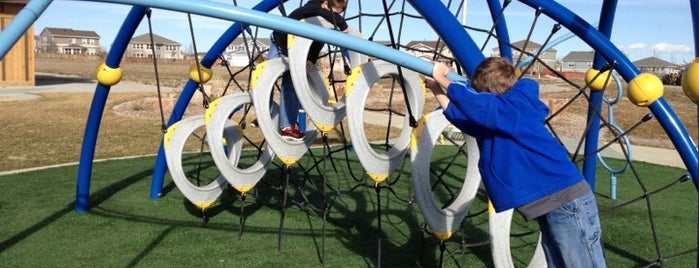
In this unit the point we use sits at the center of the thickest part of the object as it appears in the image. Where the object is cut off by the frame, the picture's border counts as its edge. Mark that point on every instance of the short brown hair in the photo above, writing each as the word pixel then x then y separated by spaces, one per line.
pixel 495 75
pixel 341 4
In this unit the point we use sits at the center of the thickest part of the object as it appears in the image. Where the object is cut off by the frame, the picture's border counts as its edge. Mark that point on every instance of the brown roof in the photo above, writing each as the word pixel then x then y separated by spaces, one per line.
pixel 67 32
pixel 157 39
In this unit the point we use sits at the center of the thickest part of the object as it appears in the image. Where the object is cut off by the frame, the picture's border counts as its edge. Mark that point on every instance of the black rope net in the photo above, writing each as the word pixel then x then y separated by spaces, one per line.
pixel 328 179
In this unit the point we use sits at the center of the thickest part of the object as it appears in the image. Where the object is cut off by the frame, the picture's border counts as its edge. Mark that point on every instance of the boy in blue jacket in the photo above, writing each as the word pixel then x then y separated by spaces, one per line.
pixel 522 165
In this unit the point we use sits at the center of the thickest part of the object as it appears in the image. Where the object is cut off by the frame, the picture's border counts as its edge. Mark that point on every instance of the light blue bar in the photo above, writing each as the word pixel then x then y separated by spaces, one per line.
pixel 276 22
pixel 20 24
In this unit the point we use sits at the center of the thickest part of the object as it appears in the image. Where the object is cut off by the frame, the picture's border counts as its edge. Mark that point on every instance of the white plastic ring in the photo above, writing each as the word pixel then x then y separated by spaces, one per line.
pixel 379 166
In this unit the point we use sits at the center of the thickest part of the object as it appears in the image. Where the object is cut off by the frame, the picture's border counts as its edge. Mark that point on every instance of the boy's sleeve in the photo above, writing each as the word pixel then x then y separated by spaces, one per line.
pixel 458 119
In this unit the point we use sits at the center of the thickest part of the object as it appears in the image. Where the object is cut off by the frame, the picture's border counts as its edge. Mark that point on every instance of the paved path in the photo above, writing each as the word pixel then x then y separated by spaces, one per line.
pixel 57 83
pixel 46 83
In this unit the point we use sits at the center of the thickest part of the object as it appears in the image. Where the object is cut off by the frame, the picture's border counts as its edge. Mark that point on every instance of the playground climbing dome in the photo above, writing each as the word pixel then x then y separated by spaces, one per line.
pixel 334 98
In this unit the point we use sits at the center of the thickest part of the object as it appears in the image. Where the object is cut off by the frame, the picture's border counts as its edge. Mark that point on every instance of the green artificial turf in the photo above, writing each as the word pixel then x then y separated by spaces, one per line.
pixel 125 228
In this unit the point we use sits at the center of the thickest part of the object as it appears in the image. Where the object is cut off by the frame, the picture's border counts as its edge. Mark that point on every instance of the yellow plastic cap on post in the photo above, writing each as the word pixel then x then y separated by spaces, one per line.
pixel 597 80
pixel 645 89
pixel 690 81
pixel 442 236
pixel 194 71
pixel 108 76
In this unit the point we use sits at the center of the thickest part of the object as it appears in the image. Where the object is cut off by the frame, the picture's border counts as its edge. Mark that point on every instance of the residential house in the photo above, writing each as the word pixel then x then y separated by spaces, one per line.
pixel 237 52
pixel 142 47
pixel 68 41
pixel 530 49
pixel 577 61
pixel 431 51
pixel 657 66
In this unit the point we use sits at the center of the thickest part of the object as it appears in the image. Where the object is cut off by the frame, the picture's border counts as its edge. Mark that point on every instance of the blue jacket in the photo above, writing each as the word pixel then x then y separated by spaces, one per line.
pixel 520 160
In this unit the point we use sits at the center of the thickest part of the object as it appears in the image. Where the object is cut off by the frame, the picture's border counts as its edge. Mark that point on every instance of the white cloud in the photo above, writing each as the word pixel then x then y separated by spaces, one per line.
pixel 672 48
pixel 661 47
pixel 638 45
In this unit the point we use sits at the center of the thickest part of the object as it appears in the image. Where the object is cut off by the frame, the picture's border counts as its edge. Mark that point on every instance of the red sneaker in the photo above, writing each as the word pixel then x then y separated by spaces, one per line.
pixel 290 133
pixel 253 123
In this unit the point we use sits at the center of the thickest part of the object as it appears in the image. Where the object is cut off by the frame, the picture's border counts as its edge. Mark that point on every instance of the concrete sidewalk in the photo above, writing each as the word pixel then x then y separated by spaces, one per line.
pixel 57 83
pixel 47 83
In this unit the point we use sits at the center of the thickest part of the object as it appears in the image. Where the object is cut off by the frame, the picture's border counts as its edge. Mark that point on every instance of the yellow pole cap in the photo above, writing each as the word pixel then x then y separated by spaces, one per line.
pixel 442 236
pixel 597 80
pixel 690 81
pixel 108 76
pixel 194 71
pixel 645 89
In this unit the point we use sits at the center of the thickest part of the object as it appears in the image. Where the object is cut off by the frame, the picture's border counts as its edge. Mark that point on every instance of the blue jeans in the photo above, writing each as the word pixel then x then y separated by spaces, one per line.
pixel 288 101
pixel 571 234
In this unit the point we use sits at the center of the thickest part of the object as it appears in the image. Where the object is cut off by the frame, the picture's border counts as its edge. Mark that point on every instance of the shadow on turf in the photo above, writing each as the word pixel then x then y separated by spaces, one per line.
pixel 96 199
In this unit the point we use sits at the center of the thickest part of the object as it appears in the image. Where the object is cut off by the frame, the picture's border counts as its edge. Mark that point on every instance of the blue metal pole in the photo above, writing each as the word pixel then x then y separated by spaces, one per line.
pixel 87 154
pixel 695 26
pixel 457 39
pixel 186 96
pixel 595 106
pixel 554 10
pixel 678 135
pixel 588 33
pixel 627 70
pixel 500 29
pixel 20 24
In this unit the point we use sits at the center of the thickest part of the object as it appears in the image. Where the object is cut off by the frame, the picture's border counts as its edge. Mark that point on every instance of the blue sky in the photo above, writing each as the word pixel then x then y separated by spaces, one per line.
pixel 642 28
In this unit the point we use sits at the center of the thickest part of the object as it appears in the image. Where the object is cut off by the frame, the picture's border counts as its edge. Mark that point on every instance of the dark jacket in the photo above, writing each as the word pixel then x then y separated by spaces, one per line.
pixel 311 9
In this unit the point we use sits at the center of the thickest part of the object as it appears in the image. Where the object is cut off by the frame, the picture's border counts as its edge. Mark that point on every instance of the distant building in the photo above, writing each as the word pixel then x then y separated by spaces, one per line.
pixel 657 66
pixel 68 41
pixel 142 47
pixel 577 61
pixel 237 52
pixel 431 51
pixel 427 50
pixel 524 49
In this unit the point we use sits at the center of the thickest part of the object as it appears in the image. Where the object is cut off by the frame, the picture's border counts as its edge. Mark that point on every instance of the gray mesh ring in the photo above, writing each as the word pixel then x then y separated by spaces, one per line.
pixel 218 126
pixel 442 221
pixel 263 79
pixel 174 142
pixel 315 100
pixel 499 225
pixel 379 166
